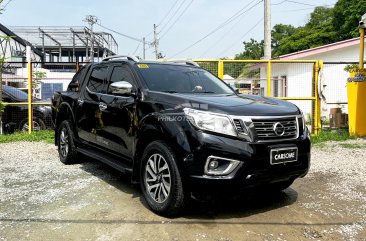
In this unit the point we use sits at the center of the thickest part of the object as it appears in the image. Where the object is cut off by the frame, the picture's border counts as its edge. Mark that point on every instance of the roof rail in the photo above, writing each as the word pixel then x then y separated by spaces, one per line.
pixel 132 58
pixel 188 62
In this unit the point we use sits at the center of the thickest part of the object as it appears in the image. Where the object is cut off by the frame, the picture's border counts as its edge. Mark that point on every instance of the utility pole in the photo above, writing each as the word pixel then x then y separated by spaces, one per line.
pixel 156 43
pixel 91 20
pixel 143 48
pixel 158 55
pixel 267 30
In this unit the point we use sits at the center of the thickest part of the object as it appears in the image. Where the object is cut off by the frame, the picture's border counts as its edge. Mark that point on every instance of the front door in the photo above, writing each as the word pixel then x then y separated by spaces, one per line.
pixel 119 113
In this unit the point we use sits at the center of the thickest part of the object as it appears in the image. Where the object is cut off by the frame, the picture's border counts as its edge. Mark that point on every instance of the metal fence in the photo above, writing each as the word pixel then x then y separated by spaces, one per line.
pixel 334 80
pixel 35 83
pixel 295 81
pixel 27 92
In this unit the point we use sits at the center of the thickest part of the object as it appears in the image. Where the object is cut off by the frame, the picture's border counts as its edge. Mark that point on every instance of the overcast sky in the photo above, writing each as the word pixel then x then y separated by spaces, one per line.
pixel 188 28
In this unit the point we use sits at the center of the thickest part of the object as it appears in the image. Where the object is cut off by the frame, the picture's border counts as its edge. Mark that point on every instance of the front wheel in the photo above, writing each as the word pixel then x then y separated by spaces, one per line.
pixel 66 146
pixel 161 181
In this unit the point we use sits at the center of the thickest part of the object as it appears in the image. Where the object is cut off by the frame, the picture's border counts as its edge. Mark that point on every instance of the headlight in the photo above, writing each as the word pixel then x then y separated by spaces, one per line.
pixel 211 121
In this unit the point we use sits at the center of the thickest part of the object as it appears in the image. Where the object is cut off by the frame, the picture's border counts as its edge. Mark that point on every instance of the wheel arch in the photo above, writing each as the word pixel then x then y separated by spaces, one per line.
pixel 154 130
pixel 64 113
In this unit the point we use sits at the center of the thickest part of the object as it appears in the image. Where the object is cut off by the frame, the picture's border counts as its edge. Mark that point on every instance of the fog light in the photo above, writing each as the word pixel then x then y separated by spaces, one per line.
pixel 219 166
pixel 213 164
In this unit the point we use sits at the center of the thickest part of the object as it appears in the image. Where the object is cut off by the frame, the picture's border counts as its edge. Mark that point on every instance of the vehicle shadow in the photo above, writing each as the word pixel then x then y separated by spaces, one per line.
pixel 236 205
pixel 109 175
pixel 239 205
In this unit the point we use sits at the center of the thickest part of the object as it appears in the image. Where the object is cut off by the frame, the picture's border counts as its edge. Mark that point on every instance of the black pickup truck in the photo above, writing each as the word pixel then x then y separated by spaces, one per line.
pixel 178 129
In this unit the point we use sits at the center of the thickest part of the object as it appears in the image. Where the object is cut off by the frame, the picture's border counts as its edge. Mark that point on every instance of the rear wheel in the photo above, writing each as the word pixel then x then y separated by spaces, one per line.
pixel 66 145
pixel 38 124
pixel 161 181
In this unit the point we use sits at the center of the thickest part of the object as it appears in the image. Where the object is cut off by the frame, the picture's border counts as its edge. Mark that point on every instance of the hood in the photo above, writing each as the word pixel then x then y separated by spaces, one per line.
pixel 241 105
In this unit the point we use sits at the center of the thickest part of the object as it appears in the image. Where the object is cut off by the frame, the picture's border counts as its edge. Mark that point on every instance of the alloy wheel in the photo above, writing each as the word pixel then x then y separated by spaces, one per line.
pixel 157 178
pixel 64 142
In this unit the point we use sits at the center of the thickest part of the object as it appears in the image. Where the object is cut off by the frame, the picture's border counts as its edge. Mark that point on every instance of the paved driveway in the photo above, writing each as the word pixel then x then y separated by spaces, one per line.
pixel 42 199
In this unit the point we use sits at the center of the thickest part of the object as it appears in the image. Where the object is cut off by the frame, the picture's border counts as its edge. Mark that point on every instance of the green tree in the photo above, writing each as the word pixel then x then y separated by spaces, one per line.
pixel 346 16
pixel 320 16
pixel 252 50
pixel 318 31
pixel 279 32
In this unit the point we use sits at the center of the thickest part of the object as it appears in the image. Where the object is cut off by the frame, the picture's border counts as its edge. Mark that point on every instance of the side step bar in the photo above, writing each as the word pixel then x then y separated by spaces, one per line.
pixel 113 162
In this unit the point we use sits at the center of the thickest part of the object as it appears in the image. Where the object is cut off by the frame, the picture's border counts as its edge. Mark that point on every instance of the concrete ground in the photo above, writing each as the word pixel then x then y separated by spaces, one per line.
pixel 42 199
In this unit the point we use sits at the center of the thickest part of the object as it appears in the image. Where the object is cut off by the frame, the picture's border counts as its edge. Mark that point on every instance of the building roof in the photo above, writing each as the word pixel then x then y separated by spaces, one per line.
pixel 321 49
pixel 8 32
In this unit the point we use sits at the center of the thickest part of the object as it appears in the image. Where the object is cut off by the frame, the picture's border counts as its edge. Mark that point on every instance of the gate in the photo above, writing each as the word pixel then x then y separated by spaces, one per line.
pixel 295 81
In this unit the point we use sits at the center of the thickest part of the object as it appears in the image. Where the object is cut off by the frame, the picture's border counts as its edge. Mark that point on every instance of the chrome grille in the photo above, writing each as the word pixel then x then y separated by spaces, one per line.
pixel 265 128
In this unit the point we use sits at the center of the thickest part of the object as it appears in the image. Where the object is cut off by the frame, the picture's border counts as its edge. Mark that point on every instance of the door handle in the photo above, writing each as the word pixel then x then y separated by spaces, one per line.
pixel 102 106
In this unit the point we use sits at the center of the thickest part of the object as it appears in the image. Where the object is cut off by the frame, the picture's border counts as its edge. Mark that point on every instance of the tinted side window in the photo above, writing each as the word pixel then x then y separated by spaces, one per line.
pixel 76 80
pixel 121 73
pixel 96 79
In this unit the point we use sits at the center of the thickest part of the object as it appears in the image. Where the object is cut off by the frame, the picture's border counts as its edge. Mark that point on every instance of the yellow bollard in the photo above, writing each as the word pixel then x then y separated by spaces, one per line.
pixel 356 89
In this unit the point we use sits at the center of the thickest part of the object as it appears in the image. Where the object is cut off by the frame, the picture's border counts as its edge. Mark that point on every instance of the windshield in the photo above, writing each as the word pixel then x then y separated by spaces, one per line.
pixel 15 93
pixel 181 79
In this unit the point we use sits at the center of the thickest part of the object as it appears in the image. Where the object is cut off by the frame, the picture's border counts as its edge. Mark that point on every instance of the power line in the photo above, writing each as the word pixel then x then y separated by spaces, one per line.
pixel 172 16
pixel 298 10
pixel 232 18
pixel 279 2
pixel 134 52
pixel 293 10
pixel 124 35
pixel 221 38
pixel 176 20
pixel 306 4
pixel 241 37
pixel 7 4
pixel 167 14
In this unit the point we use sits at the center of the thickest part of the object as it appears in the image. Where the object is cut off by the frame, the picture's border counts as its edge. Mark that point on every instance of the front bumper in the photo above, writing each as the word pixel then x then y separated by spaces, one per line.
pixel 255 168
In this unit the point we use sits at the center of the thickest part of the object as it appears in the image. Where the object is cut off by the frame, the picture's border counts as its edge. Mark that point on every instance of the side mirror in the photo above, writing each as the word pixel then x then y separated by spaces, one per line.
pixel 121 88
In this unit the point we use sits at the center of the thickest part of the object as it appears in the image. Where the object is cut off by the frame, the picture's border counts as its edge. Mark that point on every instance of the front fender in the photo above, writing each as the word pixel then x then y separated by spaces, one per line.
pixel 161 127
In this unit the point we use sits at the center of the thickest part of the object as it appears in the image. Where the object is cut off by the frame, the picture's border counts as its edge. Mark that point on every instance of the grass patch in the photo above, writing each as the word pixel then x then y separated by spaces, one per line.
pixel 45 135
pixel 331 135
pixel 352 146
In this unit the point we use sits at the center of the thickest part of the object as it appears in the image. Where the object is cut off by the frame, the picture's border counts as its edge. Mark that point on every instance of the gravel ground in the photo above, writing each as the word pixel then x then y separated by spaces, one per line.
pixel 42 199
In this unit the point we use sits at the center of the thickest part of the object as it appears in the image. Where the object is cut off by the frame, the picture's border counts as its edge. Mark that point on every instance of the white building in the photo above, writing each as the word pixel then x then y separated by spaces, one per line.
pixel 295 79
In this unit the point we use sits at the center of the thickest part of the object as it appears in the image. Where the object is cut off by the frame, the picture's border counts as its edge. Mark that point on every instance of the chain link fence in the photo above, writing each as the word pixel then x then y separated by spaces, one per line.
pixel 335 104
pixel 46 79
pixel 295 81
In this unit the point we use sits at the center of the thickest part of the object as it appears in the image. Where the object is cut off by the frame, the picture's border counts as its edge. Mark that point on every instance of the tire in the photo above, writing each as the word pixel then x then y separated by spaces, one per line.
pixel 161 181
pixel 66 145
pixel 38 124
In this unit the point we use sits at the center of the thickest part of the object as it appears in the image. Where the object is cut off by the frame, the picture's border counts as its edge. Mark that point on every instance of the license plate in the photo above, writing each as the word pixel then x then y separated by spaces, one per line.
pixel 283 155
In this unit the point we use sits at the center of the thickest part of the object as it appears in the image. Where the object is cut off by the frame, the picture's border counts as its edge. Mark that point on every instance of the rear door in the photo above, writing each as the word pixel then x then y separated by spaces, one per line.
pixel 89 121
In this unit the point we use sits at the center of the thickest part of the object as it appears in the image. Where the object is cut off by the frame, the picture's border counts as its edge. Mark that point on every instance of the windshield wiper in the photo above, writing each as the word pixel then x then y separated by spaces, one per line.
pixel 170 91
